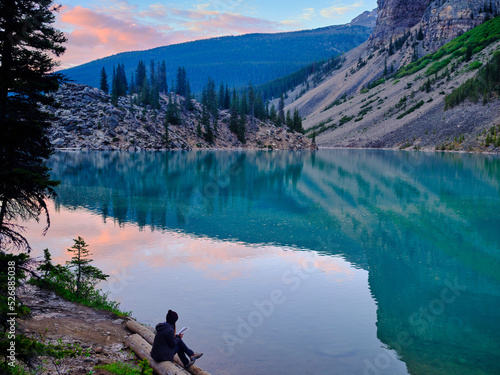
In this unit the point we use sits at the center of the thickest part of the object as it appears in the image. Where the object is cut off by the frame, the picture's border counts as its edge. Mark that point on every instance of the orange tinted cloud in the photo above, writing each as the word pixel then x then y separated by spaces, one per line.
pixel 97 33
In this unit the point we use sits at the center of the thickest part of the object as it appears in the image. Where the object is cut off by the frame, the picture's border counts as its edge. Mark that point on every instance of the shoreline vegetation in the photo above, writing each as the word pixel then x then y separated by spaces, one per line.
pixel 65 323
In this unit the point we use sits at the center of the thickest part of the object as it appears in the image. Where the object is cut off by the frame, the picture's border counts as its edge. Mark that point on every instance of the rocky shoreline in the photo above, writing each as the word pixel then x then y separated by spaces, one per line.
pixel 85 119
pixel 54 320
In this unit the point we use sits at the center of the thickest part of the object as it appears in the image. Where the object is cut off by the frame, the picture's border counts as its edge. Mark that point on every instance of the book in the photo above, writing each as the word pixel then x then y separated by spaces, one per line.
pixel 182 330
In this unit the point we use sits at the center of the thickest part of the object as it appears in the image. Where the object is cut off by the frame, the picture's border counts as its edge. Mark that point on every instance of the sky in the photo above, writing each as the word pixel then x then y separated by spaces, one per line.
pixel 97 29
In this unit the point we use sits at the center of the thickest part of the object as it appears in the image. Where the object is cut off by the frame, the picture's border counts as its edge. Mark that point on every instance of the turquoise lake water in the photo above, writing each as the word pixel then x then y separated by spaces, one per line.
pixel 327 262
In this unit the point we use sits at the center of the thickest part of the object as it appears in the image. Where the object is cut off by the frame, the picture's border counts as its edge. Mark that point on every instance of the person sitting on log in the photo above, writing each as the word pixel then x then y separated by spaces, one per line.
pixel 166 343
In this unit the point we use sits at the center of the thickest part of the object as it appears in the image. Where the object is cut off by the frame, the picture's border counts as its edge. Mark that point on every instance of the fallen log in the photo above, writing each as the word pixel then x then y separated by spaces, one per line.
pixel 143 331
pixel 149 337
pixel 142 349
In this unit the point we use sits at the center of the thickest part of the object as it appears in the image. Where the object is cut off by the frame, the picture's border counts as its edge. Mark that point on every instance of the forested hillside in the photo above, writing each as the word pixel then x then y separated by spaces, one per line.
pixel 234 60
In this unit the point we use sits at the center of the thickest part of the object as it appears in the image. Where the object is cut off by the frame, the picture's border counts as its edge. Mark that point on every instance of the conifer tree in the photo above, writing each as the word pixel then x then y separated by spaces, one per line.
pixel 227 98
pixel 242 127
pixel 281 109
pixel 84 272
pixel 140 75
pixel 181 82
pixel 27 43
pixel 103 84
pixel 114 88
pixel 162 77
pixel 243 102
pixel 222 93
pixel 289 121
pixel 297 122
pixel 273 114
pixel 251 102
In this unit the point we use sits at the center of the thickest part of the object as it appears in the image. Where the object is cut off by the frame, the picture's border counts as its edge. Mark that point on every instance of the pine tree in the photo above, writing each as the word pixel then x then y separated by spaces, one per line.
pixel 227 98
pixel 297 122
pixel 103 84
pixel 251 102
pixel 27 42
pixel 181 82
pixel 221 96
pixel 140 75
pixel 85 273
pixel 233 119
pixel 289 121
pixel 162 77
pixel 243 102
pixel 205 121
pixel 273 114
pixel 242 125
pixel 172 116
pixel 114 88
pixel 281 110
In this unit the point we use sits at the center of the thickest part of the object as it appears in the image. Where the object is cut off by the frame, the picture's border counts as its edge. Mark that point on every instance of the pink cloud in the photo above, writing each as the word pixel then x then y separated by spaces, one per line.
pixel 94 34
pixel 234 24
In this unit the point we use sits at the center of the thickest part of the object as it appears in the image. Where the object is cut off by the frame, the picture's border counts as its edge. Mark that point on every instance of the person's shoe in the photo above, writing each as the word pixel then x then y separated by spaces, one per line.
pixel 195 356
pixel 191 362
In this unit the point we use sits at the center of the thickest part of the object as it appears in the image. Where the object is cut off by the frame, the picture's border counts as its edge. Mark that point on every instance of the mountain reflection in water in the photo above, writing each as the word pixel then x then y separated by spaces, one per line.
pixel 424 226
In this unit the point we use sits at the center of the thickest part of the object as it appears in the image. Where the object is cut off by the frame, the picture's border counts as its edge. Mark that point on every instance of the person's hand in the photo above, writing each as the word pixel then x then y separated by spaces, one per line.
pixel 181 335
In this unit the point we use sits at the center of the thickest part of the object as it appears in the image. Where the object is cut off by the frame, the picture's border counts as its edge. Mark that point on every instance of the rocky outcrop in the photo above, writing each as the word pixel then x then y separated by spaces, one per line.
pixel 443 21
pixel 367 19
pixel 439 20
pixel 395 17
pixel 84 118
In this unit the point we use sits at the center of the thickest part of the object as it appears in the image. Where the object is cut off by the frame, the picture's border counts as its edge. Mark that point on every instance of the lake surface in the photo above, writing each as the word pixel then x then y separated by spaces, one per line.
pixel 327 262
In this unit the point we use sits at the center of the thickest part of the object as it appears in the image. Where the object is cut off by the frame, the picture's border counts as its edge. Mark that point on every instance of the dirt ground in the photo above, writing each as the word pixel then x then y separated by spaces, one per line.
pixel 98 332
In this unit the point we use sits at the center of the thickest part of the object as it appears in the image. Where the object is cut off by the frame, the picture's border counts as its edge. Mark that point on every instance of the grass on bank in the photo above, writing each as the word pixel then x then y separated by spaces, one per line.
pixel 76 281
pixel 120 368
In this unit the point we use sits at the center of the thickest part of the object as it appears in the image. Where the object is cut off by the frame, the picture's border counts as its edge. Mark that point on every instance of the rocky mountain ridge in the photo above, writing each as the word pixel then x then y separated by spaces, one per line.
pixel 362 104
pixel 84 118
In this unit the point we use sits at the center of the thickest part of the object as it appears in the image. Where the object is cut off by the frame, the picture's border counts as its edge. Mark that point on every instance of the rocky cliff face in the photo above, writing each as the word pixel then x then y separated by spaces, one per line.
pixel 85 119
pixel 395 17
pixel 443 21
pixel 439 20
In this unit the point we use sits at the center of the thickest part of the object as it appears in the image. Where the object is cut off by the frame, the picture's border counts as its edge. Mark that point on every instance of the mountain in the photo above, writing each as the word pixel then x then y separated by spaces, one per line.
pixel 395 90
pixel 235 60
pixel 367 18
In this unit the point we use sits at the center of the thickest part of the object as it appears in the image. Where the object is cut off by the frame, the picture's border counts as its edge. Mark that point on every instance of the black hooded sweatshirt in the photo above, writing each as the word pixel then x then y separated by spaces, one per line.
pixel 165 343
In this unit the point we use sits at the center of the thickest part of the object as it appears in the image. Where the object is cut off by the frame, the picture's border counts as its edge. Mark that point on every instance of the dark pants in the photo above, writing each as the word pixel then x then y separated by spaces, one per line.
pixel 182 350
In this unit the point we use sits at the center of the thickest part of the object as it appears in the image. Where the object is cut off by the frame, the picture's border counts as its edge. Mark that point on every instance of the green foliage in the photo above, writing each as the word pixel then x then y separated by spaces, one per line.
pixel 119 84
pixel 411 109
pixel 274 88
pixel 437 66
pixel 487 80
pixel 492 137
pixel 64 279
pixel 28 350
pixel 27 43
pixel 338 101
pixel 345 120
pixel 475 65
pixel 120 368
pixel 87 276
pixel 103 83
pixel 466 45
pixel 259 58
pixel 172 115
